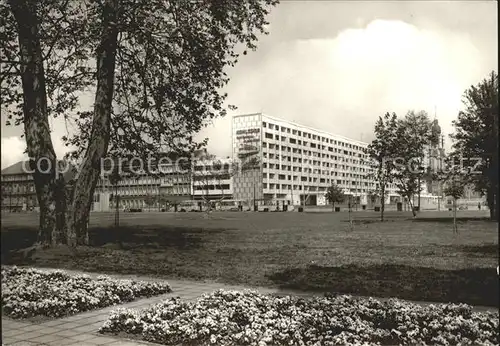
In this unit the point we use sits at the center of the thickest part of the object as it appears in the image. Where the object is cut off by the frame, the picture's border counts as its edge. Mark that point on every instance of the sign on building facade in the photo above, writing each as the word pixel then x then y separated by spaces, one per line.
pixel 247 151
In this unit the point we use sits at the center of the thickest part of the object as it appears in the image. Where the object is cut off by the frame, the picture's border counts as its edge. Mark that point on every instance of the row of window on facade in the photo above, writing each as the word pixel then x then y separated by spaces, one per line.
pixel 201 178
pixel 171 173
pixel 309 136
pixel 17 177
pixel 18 188
pixel 146 190
pixel 222 167
pixel 19 199
pixel 310 188
pixel 284 148
pixel 315 162
pixel 315 170
pixel 311 179
pixel 304 160
pixel 151 189
pixel 212 187
pixel 178 179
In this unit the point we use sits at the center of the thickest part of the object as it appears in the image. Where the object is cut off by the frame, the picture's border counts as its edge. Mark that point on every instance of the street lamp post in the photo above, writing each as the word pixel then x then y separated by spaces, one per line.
pixel 420 168
pixel 419 188
pixel 254 197
pixel 114 180
pixel 158 196
pixel 302 200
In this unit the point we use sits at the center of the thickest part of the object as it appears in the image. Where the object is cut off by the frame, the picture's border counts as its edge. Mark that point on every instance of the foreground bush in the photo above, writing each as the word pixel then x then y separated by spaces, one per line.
pixel 248 318
pixel 27 292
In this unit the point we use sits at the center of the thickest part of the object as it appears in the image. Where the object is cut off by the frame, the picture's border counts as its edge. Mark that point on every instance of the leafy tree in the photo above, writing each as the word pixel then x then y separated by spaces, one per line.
pixel 380 155
pixel 156 69
pixel 412 136
pixel 334 194
pixel 149 200
pixel 476 138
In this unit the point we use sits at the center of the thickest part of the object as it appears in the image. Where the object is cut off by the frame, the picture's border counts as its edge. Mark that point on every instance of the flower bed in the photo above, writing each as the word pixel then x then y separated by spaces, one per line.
pixel 27 292
pixel 248 318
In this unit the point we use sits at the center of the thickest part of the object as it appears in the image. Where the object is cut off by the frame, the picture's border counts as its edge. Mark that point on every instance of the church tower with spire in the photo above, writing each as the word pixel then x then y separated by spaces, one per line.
pixel 435 157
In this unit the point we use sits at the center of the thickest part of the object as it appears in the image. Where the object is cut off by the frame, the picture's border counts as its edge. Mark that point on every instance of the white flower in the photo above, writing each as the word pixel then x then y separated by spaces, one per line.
pixel 31 292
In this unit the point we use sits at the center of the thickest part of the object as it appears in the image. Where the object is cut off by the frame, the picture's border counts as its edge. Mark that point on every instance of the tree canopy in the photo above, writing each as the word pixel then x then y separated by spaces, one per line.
pixel 414 133
pixel 334 194
pixel 157 70
pixel 169 72
pixel 397 153
pixel 475 141
pixel 380 153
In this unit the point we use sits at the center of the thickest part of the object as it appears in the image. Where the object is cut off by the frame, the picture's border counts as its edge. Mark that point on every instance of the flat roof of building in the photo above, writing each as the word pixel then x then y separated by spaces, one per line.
pixel 23 167
pixel 304 126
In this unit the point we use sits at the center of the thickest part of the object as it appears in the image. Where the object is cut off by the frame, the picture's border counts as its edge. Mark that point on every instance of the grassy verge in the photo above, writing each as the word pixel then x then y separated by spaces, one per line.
pixel 417 260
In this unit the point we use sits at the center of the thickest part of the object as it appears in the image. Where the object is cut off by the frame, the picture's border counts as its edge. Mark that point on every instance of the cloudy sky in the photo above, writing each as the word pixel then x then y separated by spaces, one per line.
pixel 338 65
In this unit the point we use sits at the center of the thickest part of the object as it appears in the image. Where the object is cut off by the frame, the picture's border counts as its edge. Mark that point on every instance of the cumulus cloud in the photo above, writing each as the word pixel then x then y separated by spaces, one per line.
pixel 342 84
pixel 13 148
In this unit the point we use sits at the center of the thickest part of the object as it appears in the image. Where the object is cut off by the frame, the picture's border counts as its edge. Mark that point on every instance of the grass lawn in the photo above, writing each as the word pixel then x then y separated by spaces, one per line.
pixel 411 259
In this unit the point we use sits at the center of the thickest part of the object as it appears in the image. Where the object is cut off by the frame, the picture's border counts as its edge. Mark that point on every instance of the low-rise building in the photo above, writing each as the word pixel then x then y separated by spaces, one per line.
pixel 18 187
pixel 142 185
pixel 172 180
pixel 212 179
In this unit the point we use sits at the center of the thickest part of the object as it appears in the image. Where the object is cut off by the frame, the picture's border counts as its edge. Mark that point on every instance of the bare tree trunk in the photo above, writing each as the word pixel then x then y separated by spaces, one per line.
pixel 36 125
pixel 59 235
pixel 207 197
pixel 495 204
pixel 349 210
pixel 490 199
pixel 222 193
pixel 455 230
pixel 412 206
pixel 78 216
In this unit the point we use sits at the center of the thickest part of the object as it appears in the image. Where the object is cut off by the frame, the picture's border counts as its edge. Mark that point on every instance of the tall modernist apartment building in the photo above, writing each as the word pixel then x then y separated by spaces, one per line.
pixel 296 164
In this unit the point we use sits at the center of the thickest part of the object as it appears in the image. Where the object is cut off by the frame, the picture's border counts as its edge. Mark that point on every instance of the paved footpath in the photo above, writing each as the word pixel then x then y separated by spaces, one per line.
pixel 81 329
